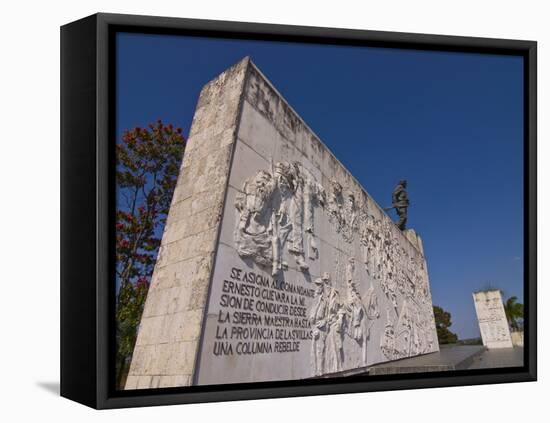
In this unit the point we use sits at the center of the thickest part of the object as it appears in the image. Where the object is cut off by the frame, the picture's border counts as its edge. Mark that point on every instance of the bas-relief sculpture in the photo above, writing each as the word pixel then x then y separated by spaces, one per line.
pixel 276 213
pixel 333 318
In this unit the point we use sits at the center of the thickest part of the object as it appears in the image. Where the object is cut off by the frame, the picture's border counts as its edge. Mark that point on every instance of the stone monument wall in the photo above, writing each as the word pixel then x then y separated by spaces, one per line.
pixel 493 324
pixel 292 272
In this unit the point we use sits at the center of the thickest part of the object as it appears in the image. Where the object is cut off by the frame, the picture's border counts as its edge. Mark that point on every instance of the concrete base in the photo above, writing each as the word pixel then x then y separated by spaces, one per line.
pixel 456 357
pixel 448 358
pixel 497 358
pixel 453 358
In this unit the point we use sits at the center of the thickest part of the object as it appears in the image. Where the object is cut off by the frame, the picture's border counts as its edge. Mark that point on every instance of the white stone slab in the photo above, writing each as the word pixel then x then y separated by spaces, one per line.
pixel 493 325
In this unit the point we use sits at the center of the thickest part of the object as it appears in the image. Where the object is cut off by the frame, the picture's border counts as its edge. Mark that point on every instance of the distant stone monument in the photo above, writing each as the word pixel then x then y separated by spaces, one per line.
pixel 275 263
pixel 493 324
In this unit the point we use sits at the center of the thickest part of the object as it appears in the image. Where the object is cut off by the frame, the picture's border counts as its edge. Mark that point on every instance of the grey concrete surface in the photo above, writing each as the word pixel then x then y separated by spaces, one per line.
pixel 502 357
pixel 448 358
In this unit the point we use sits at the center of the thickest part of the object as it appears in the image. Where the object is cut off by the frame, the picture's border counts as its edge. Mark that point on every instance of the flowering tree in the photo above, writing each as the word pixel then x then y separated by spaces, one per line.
pixel 148 160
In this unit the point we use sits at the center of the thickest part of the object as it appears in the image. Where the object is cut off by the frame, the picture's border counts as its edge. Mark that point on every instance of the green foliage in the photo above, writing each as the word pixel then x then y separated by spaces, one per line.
pixel 130 302
pixel 442 324
pixel 514 313
pixel 148 162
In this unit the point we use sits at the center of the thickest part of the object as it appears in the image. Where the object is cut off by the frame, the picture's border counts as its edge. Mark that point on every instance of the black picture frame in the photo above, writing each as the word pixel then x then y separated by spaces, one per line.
pixel 87 212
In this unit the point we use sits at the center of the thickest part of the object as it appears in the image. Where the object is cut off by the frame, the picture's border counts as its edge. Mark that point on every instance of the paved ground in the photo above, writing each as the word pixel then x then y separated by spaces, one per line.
pixel 448 358
pixel 502 357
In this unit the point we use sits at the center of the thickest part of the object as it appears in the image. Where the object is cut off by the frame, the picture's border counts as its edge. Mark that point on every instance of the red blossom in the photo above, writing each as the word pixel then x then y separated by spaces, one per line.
pixel 142 282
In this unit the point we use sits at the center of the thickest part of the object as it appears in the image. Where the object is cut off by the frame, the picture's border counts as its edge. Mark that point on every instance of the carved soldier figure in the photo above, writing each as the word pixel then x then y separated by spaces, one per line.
pixel 376 249
pixel 403 331
pixel 281 221
pixel 350 271
pixel 357 313
pixel 400 201
pixel 349 218
pixel 369 245
pixel 253 228
pixel 335 204
pixel 372 312
pixel 319 323
pixel 387 340
pixel 297 206
pixel 355 304
pixel 338 329
pixel 314 195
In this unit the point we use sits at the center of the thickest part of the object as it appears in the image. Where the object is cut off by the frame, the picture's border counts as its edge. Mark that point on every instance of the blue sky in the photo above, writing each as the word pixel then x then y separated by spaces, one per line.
pixel 450 123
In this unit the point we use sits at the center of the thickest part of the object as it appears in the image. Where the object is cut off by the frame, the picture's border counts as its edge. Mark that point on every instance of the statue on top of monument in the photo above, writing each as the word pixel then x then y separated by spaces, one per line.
pixel 400 202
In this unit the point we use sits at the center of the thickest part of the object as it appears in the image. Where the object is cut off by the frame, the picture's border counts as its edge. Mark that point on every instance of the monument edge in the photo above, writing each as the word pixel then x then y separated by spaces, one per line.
pixel 208 154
